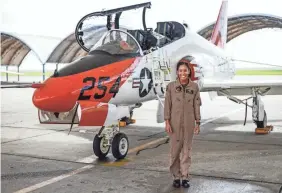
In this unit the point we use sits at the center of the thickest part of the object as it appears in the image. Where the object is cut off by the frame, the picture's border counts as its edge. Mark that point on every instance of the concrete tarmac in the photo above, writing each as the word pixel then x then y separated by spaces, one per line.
pixel 226 157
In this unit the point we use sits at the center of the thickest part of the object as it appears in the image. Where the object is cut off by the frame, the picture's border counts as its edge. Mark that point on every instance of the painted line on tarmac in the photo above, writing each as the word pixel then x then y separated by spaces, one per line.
pixel 53 180
pixel 88 160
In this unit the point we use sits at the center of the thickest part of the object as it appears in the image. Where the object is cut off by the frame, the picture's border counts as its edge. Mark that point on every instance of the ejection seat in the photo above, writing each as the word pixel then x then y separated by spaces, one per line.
pixel 144 38
pixel 171 30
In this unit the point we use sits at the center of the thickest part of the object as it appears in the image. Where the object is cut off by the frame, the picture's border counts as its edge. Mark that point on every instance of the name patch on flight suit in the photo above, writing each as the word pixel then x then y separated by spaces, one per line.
pixel 189 91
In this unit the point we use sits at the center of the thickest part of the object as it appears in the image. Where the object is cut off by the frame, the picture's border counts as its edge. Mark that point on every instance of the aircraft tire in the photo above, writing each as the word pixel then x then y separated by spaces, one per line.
pixel 120 146
pixel 262 124
pixel 99 151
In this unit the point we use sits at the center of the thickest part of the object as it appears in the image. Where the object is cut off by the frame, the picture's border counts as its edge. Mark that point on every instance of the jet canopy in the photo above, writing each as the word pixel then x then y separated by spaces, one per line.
pixel 93 32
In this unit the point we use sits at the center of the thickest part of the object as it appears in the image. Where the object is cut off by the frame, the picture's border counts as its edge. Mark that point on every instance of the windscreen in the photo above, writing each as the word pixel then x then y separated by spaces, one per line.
pixel 117 42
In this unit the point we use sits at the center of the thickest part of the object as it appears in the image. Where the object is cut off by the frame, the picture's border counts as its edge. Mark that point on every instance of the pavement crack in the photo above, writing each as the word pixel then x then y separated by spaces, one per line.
pixel 42 158
pixel 166 141
pixel 34 174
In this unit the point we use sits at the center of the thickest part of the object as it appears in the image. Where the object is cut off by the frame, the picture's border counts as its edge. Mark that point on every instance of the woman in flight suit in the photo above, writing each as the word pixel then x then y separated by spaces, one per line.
pixel 182 118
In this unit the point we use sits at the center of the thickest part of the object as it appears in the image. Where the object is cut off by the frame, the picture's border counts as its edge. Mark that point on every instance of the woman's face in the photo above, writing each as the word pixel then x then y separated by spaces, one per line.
pixel 183 72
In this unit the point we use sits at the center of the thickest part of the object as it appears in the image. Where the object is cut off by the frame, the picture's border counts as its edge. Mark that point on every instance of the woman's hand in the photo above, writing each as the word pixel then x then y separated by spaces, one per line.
pixel 197 129
pixel 168 127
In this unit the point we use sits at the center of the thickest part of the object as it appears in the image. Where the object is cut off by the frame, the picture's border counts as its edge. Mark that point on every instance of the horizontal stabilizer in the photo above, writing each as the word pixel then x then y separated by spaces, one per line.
pixel 237 88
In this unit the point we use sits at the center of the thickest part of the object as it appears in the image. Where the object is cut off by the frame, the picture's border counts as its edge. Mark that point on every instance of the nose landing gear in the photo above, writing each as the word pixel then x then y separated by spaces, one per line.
pixel 120 146
pixel 110 137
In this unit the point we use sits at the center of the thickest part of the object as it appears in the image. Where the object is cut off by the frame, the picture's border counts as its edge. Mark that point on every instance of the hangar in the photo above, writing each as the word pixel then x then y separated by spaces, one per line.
pixel 14 50
pixel 240 24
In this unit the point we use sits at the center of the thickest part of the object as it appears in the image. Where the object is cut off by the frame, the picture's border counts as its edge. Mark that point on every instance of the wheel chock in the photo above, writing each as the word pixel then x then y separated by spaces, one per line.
pixel 122 123
pixel 265 130
pixel 132 121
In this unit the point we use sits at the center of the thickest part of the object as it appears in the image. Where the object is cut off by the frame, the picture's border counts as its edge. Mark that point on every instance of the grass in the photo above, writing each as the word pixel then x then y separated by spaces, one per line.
pixel 238 72
pixel 29 74
pixel 258 72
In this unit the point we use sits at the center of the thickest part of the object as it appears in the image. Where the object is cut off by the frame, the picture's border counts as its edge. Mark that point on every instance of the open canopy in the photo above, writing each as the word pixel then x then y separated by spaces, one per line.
pixel 112 22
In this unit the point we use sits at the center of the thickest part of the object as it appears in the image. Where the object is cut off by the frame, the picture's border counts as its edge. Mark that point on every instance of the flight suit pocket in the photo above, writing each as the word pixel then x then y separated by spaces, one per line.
pixel 177 102
pixel 189 100
pixel 189 95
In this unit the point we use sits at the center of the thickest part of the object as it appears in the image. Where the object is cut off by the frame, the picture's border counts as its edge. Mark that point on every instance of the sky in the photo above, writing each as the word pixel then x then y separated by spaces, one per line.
pixel 43 24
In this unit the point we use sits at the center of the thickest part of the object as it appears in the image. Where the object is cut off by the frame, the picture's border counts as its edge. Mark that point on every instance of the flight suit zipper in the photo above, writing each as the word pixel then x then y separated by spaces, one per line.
pixel 183 114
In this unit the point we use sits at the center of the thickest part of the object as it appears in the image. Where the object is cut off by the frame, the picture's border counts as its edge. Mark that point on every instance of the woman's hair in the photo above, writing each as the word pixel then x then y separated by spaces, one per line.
pixel 186 64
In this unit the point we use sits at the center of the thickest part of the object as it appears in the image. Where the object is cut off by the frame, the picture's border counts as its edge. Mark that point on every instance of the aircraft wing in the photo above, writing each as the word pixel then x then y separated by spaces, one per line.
pixel 235 87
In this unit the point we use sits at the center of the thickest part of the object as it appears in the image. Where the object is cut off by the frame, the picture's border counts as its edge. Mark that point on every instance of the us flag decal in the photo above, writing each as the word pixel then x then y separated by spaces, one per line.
pixel 136 83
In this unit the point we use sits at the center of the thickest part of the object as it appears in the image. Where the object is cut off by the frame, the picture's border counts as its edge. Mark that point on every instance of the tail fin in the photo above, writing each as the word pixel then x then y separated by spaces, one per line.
pixel 219 33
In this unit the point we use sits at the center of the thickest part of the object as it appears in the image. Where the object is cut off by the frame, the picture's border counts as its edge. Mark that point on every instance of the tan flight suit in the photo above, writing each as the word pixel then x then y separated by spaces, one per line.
pixel 182 109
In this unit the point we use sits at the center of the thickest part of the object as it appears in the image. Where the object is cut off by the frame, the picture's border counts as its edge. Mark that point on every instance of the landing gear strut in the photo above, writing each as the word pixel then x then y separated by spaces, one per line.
pixel 127 120
pixel 259 115
pixel 109 137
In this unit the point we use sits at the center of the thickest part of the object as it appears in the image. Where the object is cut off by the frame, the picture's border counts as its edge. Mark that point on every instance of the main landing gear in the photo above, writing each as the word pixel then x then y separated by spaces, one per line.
pixel 128 120
pixel 109 137
pixel 259 115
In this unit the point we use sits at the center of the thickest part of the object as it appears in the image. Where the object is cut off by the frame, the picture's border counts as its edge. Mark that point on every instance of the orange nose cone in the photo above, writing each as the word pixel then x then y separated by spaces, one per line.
pixel 52 103
pixel 54 97
pixel 43 101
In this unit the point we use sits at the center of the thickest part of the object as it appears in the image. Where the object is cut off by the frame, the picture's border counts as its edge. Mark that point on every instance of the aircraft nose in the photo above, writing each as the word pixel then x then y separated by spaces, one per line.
pixel 43 101
pixel 48 97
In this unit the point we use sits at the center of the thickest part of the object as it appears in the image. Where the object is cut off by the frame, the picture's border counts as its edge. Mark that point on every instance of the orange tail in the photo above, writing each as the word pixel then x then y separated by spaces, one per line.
pixel 219 34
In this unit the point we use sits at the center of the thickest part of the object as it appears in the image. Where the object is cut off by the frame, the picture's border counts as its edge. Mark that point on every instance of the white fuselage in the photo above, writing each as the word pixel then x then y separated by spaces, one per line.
pixel 212 64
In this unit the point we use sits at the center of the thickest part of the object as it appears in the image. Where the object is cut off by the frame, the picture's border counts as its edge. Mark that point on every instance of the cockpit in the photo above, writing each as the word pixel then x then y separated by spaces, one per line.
pixel 117 43
pixel 113 43
pixel 126 41
pixel 138 42
pixel 165 33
